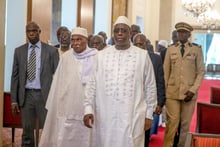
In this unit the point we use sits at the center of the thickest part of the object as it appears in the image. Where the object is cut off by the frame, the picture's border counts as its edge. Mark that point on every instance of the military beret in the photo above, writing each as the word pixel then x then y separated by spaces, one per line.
pixel 183 26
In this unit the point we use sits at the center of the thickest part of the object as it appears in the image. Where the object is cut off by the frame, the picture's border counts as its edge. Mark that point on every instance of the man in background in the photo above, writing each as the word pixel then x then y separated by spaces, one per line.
pixel 174 37
pixel 59 31
pixel 97 41
pixel 150 47
pixel 64 41
pixel 34 64
pixel 135 29
pixel 162 48
pixel 103 34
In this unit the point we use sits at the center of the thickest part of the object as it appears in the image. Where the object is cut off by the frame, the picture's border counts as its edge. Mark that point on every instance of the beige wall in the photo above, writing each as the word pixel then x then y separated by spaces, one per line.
pixel 152 20
pixel 165 26
pixel 149 10
pixel 2 58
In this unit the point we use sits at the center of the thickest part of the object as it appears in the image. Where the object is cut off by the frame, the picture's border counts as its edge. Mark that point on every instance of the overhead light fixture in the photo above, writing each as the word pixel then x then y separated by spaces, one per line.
pixel 194 8
pixel 210 20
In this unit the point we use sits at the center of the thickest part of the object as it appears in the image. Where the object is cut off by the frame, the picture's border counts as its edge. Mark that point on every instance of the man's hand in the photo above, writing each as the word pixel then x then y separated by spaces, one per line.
pixel 189 96
pixel 158 110
pixel 148 124
pixel 88 120
pixel 15 109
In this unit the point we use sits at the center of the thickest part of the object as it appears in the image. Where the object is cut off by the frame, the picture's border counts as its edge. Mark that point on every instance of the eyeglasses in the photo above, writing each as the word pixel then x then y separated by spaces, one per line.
pixel 122 30
pixel 64 36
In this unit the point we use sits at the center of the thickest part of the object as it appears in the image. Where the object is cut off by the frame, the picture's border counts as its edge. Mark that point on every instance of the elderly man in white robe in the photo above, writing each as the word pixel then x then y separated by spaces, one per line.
pixel 64 125
pixel 121 96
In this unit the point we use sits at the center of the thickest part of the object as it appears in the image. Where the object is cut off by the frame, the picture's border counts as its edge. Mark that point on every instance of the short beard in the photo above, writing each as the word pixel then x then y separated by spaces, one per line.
pixel 64 45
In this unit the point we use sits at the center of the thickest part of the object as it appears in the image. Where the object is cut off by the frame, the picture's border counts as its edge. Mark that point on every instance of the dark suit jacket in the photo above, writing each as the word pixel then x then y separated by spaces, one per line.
pixel 163 53
pixel 49 62
pixel 159 75
pixel 57 45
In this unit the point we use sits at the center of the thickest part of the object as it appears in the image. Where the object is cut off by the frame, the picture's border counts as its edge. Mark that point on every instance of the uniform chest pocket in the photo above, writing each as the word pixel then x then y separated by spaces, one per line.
pixel 173 58
pixel 190 57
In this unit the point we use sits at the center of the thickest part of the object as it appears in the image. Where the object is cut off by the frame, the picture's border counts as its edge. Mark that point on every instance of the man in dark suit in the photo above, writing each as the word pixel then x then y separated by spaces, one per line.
pixel 34 65
pixel 162 48
pixel 141 41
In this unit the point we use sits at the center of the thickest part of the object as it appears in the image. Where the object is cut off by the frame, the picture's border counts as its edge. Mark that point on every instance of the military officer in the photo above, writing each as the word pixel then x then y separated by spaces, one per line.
pixel 183 72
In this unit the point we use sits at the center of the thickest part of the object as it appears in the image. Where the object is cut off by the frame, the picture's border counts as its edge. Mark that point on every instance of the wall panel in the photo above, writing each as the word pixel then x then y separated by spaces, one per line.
pixel 42 14
pixel 2 53
pixel 86 13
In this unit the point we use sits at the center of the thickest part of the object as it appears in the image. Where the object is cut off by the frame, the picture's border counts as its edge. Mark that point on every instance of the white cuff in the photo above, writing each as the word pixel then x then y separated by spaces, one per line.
pixel 88 110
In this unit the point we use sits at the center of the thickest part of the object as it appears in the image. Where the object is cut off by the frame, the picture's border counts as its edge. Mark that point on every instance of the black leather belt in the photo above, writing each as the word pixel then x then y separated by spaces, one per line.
pixel 32 89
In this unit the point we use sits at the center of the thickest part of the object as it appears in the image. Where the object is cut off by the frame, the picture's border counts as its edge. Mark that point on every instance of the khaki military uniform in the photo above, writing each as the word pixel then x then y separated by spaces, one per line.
pixel 181 74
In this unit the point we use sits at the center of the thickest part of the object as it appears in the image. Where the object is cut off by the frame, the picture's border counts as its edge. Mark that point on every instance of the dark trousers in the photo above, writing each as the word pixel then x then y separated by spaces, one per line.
pixel 147 138
pixel 152 130
pixel 33 108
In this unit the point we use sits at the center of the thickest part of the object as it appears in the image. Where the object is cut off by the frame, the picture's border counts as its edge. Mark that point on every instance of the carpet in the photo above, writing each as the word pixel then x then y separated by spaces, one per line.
pixel 7 137
pixel 203 96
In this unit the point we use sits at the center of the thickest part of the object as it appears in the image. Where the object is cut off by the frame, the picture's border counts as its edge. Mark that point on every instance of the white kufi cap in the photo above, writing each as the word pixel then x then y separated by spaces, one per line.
pixel 122 20
pixel 163 43
pixel 80 31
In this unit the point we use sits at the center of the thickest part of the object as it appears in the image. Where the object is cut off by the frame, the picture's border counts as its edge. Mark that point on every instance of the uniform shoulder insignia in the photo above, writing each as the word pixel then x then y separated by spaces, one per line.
pixel 196 44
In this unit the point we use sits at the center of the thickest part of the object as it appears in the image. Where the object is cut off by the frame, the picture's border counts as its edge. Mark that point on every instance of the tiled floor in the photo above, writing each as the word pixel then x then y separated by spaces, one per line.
pixel 7 137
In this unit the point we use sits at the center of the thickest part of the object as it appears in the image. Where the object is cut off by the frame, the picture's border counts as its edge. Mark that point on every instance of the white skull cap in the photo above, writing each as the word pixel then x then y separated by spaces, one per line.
pixel 122 20
pixel 80 31
pixel 163 43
